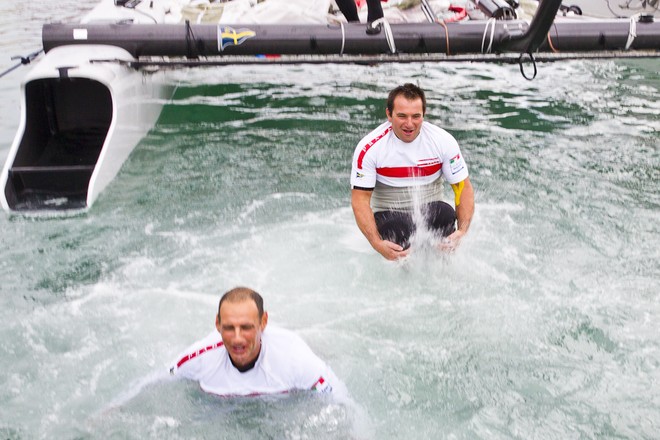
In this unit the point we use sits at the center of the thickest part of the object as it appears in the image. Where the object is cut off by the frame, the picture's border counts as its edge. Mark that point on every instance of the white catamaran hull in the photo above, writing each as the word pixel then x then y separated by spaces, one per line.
pixel 80 120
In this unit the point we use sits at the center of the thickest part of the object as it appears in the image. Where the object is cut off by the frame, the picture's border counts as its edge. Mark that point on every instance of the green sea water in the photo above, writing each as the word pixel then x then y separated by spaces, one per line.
pixel 542 325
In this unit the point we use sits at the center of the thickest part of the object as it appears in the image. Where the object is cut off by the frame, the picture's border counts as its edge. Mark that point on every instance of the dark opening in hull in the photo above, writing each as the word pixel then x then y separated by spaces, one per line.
pixel 67 120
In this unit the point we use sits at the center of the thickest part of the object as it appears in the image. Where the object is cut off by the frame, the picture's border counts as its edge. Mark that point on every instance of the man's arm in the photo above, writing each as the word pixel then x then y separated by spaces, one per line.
pixel 364 217
pixel 464 209
pixel 188 363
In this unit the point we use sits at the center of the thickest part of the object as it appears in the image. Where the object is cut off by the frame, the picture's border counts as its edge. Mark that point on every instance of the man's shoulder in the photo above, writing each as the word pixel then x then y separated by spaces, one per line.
pixel 376 134
pixel 439 138
pixel 436 130
pixel 205 350
pixel 283 342
pixel 276 334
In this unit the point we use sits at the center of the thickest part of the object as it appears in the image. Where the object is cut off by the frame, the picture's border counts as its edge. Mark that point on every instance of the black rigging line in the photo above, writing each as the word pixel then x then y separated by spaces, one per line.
pixel 24 60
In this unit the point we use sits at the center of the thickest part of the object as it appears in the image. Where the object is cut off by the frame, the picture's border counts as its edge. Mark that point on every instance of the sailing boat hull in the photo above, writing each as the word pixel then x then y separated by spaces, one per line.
pixel 80 120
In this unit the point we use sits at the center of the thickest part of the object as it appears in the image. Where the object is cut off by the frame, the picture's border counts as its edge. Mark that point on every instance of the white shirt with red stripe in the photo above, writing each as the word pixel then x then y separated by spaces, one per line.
pixel 285 363
pixel 384 162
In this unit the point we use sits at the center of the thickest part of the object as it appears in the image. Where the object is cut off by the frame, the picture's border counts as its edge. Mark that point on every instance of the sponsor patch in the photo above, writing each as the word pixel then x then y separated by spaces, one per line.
pixel 428 162
pixel 228 36
pixel 322 386
pixel 456 164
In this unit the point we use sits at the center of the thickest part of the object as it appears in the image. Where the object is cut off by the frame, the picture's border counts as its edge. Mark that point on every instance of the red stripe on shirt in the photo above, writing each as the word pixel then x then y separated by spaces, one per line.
pixel 409 171
pixel 370 144
pixel 190 356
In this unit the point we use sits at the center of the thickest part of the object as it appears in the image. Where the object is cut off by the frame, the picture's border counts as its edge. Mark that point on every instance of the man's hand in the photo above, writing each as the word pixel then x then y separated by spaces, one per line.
pixel 451 242
pixel 390 250
pixel 464 211
pixel 364 217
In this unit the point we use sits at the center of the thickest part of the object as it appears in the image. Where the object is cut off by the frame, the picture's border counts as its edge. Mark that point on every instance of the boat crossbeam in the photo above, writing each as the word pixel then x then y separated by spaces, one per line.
pixel 202 40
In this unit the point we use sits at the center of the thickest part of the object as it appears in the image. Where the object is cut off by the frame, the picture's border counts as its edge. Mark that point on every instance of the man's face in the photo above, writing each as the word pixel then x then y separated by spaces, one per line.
pixel 406 118
pixel 240 328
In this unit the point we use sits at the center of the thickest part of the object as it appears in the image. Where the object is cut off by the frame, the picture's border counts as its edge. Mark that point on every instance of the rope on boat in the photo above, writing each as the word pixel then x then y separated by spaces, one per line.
pixel 632 31
pixel 194 47
pixel 552 47
pixel 388 32
pixel 343 39
pixel 24 61
pixel 522 69
pixel 444 25
pixel 490 22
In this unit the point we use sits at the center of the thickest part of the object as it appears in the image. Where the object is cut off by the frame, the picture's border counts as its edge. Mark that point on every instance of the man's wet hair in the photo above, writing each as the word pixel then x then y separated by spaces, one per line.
pixel 410 92
pixel 240 294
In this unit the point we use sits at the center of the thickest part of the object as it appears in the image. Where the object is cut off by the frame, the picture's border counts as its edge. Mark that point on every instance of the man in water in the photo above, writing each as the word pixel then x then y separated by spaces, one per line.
pixel 399 166
pixel 242 358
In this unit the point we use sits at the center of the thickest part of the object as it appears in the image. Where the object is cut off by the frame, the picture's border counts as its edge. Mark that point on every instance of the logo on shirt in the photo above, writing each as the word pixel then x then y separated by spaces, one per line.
pixel 428 162
pixel 322 386
pixel 456 164
pixel 359 175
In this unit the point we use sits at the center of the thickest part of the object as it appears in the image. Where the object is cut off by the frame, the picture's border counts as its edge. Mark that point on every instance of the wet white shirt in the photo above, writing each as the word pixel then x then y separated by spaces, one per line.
pixel 406 173
pixel 285 363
